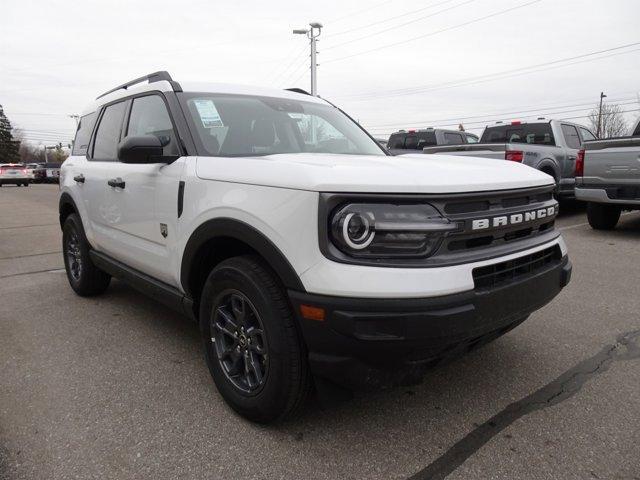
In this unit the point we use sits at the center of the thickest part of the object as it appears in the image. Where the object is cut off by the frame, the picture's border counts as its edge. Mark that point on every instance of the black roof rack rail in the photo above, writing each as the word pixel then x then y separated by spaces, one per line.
pixel 298 90
pixel 152 77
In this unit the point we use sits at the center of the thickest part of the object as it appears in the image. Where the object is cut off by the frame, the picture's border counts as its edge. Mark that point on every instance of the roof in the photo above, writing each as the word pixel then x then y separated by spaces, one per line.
pixel 222 88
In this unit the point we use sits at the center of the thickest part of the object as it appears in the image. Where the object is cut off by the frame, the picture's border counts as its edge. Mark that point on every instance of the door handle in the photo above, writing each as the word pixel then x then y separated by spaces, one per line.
pixel 116 183
pixel 79 178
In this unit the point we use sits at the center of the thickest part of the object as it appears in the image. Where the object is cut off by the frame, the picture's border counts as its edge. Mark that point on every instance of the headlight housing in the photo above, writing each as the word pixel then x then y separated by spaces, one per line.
pixel 387 230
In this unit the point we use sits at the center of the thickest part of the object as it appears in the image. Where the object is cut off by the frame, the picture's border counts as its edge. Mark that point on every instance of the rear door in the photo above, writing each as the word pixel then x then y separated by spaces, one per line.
pixel 573 143
pixel 95 173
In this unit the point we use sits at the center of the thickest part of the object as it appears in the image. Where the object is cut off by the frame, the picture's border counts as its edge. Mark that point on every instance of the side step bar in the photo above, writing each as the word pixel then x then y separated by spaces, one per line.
pixel 163 293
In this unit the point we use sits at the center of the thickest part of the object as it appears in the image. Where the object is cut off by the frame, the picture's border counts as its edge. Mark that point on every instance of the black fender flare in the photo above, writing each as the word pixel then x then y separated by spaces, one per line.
pixel 243 232
pixel 553 165
pixel 66 201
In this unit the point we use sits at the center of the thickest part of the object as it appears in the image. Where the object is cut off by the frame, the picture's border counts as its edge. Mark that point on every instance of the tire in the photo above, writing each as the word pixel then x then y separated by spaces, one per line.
pixel 84 277
pixel 279 381
pixel 602 216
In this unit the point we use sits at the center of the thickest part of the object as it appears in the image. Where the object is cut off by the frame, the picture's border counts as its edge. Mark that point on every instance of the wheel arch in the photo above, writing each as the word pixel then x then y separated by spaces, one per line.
pixel 221 238
pixel 550 167
pixel 66 206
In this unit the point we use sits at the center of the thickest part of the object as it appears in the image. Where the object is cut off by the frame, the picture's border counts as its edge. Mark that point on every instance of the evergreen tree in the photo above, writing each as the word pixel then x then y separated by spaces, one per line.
pixel 9 147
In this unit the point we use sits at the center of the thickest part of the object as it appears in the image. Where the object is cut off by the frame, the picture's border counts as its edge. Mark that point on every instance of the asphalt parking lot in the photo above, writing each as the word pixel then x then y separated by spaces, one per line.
pixel 116 386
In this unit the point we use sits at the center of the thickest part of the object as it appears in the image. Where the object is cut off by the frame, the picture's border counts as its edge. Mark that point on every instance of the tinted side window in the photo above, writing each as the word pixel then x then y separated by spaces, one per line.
pixel 427 139
pixel 571 136
pixel 472 138
pixel 453 139
pixel 411 143
pixel 149 116
pixel 636 132
pixel 396 141
pixel 105 145
pixel 83 134
pixel 587 135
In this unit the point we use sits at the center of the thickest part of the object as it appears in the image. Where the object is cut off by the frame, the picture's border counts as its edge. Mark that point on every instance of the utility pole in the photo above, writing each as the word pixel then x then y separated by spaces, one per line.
pixel 602 96
pixel 312 34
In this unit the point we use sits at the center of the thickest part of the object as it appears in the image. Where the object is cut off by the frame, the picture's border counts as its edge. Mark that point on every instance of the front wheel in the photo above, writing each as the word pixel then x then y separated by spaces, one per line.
pixel 84 277
pixel 602 216
pixel 252 347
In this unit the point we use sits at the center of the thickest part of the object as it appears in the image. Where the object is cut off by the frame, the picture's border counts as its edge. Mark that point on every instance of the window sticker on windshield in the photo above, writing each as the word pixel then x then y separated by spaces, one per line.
pixel 208 113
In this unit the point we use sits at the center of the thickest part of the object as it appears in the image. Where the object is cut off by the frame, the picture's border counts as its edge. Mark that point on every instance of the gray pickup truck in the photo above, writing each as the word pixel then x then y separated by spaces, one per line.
pixel 608 178
pixel 404 142
pixel 550 146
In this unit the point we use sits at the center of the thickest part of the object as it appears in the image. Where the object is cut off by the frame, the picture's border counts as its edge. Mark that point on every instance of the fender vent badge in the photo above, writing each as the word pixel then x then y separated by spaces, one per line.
pixel 163 230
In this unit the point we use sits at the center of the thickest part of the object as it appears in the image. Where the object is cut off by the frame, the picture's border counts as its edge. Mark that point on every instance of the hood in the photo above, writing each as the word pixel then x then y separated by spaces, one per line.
pixel 417 173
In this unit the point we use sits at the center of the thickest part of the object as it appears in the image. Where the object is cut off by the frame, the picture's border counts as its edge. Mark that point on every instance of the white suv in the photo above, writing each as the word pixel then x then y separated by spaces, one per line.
pixel 308 254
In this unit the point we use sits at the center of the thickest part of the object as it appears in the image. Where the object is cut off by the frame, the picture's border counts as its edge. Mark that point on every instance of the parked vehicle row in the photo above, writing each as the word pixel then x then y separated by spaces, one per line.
pixel 25 174
pixel 307 253
pixel 608 178
pixel 410 141
pixel 14 174
pixel 550 146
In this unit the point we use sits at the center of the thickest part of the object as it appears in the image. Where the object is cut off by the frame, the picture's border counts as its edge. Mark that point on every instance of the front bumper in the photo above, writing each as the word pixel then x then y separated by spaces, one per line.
pixel 365 343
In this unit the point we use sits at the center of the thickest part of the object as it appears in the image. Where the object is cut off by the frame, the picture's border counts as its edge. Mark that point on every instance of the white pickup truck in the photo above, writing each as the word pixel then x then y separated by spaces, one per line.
pixel 608 178
pixel 306 253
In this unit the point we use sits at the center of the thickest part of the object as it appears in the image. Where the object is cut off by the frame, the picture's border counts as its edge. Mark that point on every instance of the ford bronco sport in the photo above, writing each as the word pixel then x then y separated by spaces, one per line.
pixel 307 254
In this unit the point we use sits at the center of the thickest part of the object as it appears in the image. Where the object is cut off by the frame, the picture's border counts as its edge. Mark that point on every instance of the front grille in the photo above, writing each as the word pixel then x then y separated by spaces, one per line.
pixel 465 210
pixel 503 273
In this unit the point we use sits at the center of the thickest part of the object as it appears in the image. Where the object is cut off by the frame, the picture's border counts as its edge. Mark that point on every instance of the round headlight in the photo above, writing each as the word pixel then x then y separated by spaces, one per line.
pixel 357 230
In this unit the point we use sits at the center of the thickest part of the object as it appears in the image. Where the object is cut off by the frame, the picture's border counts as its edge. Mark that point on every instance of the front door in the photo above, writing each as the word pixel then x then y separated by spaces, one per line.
pixel 140 232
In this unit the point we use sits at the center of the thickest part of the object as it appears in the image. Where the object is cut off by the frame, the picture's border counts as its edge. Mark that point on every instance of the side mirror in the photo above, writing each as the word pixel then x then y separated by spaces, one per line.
pixel 144 149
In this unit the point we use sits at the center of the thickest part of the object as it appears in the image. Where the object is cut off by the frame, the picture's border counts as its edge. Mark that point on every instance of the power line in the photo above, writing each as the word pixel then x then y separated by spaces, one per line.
pixel 498 75
pixel 294 58
pixel 611 113
pixel 534 111
pixel 350 15
pixel 492 119
pixel 380 32
pixel 453 27
pixel 390 19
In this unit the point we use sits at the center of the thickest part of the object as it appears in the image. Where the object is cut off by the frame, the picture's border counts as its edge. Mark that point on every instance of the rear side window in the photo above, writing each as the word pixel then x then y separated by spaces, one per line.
pixel 396 141
pixel 471 138
pixel 149 116
pixel 453 139
pixel 427 139
pixel 83 134
pixel 105 146
pixel 531 133
pixel 571 136
pixel 587 135
pixel 636 132
pixel 411 143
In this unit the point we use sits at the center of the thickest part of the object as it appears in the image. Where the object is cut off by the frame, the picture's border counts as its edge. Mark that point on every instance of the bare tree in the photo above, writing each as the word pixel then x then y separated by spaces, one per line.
pixel 612 123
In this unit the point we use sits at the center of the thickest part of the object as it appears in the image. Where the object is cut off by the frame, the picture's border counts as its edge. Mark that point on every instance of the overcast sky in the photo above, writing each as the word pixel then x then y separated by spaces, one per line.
pixel 390 64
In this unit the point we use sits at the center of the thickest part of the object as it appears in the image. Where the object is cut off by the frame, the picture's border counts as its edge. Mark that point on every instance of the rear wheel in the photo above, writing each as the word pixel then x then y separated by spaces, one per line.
pixel 84 277
pixel 252 346
pixel 603 217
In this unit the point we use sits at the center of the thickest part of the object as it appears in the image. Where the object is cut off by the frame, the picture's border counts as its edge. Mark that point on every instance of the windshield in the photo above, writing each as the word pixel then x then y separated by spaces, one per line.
pixel 242 125
pixel 532 133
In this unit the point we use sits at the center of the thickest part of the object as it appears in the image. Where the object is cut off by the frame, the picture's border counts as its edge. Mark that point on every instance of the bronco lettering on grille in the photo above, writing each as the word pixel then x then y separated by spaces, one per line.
pixel 514 218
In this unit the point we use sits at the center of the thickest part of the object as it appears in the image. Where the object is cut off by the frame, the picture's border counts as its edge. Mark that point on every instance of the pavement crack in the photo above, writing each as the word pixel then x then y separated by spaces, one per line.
pixel 30 255
pixel 562 388
pixel 32 272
